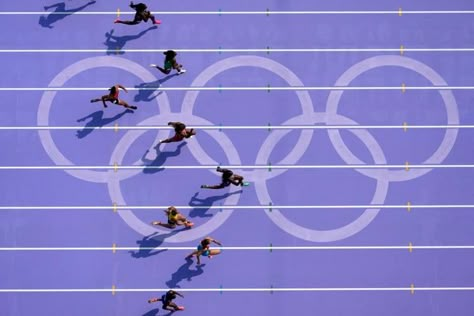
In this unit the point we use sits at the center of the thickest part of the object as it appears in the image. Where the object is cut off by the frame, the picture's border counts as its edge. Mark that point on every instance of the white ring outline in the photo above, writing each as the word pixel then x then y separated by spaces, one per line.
pixel 145 229
pixel 338 233
pixel 392 60
pixel 272 66
pixel 59 80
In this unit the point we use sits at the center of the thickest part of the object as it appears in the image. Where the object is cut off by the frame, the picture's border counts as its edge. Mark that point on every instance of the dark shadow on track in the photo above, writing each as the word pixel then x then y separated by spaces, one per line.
pixel 184 273
pixel 116 43
pixel 152 241
pixel 161 157
pixel 149 94
pixel 153 312
pixel 208 201
pixel 59 13
pixel 97 120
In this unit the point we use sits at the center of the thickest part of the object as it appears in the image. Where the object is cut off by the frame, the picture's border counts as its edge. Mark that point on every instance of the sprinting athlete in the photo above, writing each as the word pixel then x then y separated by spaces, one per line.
pixel 228 178
pixel 142 14
pixel 167 301
pixel 203 249
pixel 181 132
pixel 175 218
pixel 170 63
pixel 113 97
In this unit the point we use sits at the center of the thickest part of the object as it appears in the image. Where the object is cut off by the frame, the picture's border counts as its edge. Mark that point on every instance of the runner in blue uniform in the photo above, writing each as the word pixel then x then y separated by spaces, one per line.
pixel 203 249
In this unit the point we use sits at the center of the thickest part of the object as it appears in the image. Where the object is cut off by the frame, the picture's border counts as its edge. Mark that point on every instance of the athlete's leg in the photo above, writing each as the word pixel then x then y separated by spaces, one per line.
pixel 137 19
pixel 150 16
pixel 237 179
pixel 126 105
pixel 163 70
pixel 154 300
pixel 178 67
pixel 99 99
pixel 192 254
pixel 214 187
pixel 181 220
pixel 175 138
pixel 167 225
pixel 214 252
pixel 171 306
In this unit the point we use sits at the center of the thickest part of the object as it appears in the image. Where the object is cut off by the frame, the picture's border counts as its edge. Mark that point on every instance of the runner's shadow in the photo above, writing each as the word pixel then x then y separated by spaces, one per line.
pixel 151 87
pixel 184 273
pixel 59 13
pixel 148 243
pixel 161 157
pixel 97 120
pixel 206 202
pixel 153 312
pixel 116 43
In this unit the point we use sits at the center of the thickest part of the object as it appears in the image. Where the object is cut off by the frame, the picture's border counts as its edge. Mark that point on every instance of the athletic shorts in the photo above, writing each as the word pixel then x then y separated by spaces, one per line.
pixel 177 138
pixel 205 253
pixel 164 302
pixel 226 183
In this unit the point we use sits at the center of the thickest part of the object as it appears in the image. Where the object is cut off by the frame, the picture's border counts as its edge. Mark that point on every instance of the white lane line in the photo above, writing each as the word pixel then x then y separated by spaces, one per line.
pixel 221 127
pixel 267 248
pixel 245 50
pixel 265 12
pixel 271 289
pixel 267 88
pixel 234 207
pixel 118 167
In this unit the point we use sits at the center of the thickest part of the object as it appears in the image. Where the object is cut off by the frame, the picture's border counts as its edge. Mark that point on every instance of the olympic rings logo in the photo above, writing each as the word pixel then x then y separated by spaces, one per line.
pixel 260 177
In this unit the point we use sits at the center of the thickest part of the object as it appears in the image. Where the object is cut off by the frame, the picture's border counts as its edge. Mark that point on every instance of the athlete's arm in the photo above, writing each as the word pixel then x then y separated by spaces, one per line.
pixel 122 87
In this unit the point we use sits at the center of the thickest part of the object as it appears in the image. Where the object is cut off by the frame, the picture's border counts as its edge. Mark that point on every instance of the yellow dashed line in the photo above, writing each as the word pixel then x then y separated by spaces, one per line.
pixel 407 166
pixel 405 126
pixel 409 206
pixel 118 12
pixel 399 11
pixel 114 248
pixel 115 167
pixel 404 87
pixel 116 127
pixel 113 289
pixel 412 288
pixel 401 49
pixel 115 207
pixel 410 247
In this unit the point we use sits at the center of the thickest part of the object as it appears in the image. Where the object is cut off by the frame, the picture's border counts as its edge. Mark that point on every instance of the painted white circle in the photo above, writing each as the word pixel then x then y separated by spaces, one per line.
pixel 196 232
pixel 381 61
pixel 270 65
pixel 62 78
pixel 340 233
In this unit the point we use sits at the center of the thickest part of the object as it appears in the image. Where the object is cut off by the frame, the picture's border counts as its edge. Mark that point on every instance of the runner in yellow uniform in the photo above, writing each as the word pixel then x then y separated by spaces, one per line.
pixel 175 218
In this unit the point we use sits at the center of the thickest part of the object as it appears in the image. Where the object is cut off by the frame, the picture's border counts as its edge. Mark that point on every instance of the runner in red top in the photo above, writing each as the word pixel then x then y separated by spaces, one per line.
pixel 113 97
pixel 181 132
